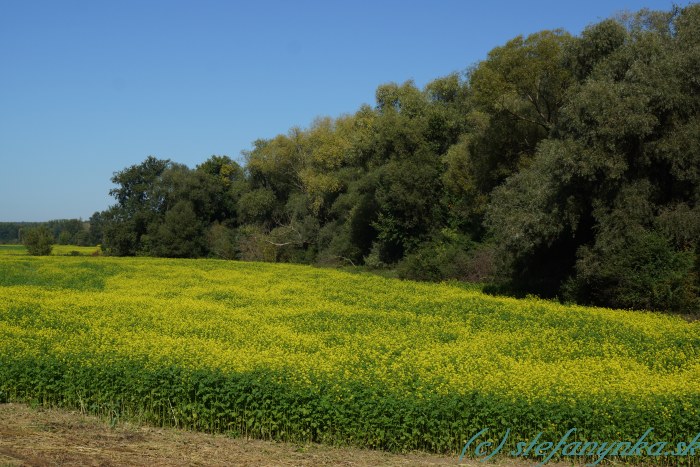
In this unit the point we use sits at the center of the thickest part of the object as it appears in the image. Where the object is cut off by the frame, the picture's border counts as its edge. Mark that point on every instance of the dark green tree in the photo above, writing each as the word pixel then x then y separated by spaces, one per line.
pixel 181 234
pixel 96 229
pixel 38 240
pixel 139 203
pixel 591 211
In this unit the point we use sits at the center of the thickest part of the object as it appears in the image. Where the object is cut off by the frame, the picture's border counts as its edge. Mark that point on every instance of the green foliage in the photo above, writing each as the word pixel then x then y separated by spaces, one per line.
pixel 595 44
pixel 135 184
pixel 227 171
pixel 407 212
pixel 639 271
pixel 608 206
pixel 446 256
pixel 96 229
pixel 449 256
pixel 525 78
pixel 254 244
pixel 10 231
pixel 257 206
pixel 120 234
pixel 139 202
pixel 180 235
pixel 221 241
pixel 38 241
pixel 65 231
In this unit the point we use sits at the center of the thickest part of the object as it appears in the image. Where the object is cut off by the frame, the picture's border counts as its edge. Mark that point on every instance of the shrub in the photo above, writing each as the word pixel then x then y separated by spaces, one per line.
pixel 639 271
pixel 38 241
pixel 254 245
pixel 448 255
pixel 221 241
pixel 374 260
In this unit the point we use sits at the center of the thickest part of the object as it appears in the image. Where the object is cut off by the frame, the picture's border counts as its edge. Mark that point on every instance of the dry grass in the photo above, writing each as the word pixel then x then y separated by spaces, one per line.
pixel 51 437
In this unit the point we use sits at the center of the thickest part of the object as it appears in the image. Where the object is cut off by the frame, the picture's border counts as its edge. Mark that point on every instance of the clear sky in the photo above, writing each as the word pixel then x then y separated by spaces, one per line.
pixel 90 87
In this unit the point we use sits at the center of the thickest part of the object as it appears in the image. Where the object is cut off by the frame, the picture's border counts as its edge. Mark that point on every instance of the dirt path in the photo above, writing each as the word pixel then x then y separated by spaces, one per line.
pixel 50 437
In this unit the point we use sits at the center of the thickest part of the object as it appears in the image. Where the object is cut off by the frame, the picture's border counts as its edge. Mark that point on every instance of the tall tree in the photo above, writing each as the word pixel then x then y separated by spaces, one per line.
pixel 597 194
pixel 137 205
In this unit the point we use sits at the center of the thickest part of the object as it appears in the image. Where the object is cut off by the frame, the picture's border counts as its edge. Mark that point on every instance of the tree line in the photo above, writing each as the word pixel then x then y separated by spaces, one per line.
pixel 61 231
pixel 562 166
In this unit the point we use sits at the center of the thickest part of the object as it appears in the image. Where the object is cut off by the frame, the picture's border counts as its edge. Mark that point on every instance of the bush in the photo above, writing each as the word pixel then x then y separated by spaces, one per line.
pixel 253 244
pixel 38 241
pixel 640 271
pixel 374 259
pixel 221 241
pixel 448 255
pixel 337 247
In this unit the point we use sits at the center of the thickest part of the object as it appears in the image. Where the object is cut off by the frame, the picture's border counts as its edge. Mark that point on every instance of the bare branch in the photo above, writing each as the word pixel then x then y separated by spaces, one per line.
pixel 278 244
pixel 535 122
pixel 346 259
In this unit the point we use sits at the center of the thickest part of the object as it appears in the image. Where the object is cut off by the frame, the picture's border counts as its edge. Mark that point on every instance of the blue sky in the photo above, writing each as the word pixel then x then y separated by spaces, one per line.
pixel 90 87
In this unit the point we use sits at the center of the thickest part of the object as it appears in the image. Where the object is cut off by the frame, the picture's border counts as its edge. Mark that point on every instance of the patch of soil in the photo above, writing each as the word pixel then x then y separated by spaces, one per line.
pixel 44 437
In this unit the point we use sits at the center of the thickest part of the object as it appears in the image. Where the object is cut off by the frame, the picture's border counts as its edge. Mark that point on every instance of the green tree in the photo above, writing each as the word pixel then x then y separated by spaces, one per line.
pixel 139 203
pixel 511 104
pixel 224 183
pixel 593 208
pixel 221 241
pixel 96 229
pixel 38 240
pixel 526 78
pixel 179 235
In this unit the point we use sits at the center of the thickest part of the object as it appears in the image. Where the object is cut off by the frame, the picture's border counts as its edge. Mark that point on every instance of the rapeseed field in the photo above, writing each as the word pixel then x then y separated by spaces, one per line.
pixel 279 351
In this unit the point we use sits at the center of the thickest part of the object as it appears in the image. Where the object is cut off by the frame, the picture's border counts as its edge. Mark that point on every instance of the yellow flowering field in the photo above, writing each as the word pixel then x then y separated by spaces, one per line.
pixel 298 353
pixel 57 250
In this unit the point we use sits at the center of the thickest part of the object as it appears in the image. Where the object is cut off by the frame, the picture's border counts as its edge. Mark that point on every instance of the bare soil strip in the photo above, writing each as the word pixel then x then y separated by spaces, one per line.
pixel 52 437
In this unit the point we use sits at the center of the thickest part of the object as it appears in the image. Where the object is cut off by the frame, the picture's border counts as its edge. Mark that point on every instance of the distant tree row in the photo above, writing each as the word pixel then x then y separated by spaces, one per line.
pixel 560 166
pixel 63 232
